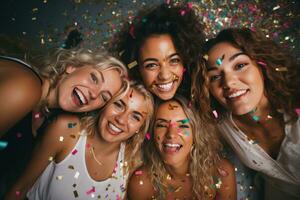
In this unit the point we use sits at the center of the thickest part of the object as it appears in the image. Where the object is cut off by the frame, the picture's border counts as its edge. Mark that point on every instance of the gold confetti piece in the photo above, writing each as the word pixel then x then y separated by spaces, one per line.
pixel 205 57
pixel 76 175
pixel 35 9
pixel 33 18
pixel 71 167
pixel 281 69
pixel 235 169
pixel 121 52
pixel 178 189
pixel 141 182
pixel 59 177
pixel 61 138
pixel 50 158
pixel 132 64
pixel 42 41
pixel 75 193
pixel 168 177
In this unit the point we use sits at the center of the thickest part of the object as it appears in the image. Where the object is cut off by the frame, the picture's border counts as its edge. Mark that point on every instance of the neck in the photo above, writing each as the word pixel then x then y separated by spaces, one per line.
pixel 106 148
pixel 179 171
pixel 49 94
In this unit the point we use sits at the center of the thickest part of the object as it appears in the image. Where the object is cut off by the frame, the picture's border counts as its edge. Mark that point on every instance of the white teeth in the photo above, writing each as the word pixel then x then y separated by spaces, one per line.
pixel 114 128
pixel 81 96
pixel 165 87
pixel 238 93
pixel 172 145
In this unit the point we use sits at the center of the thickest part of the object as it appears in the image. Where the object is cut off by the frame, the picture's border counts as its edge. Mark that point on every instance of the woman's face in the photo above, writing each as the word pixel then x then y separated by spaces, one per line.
pixel 234 79
pixel 161 67
pixel 85 88
pixel 173 134
pixel 123 118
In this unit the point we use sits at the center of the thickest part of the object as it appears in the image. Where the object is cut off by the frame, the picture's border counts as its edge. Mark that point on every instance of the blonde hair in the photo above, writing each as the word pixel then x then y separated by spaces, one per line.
pixel 203 157
pixel 54 65
pixel 133 144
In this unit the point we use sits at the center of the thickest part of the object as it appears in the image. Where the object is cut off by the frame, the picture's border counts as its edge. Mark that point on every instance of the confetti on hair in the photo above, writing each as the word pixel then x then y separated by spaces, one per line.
pixel 37 115
pixel 138 172
pixel 281 69
pixel 3 144
pixel 71 125
pixel 130 95
pixel 262 63
pixel 297 110
pixel 182 12
pixel 205 57
pixel 178 189
pixel 132 64
pixel 255 118
pixel 215 113
pixel 148 136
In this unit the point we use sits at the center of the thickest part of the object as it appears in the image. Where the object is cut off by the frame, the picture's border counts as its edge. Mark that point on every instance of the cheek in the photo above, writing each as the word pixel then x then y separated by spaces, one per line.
pixel 148 76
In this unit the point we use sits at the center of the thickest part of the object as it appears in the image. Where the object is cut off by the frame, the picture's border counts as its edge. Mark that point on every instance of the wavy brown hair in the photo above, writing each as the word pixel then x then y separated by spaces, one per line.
pixel 185 30
pixel 204 156
pixel 133 144
pixel 281 87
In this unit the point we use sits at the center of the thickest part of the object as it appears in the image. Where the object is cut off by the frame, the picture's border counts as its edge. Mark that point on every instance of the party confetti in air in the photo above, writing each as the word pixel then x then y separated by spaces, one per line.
pixel 148 136
pixel 3 144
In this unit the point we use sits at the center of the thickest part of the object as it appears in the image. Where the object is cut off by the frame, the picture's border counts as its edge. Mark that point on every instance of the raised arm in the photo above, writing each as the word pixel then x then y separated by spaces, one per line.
pixel 20 91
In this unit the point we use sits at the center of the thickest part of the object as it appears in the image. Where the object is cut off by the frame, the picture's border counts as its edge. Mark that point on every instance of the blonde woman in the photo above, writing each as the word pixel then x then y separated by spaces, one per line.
pixel 90 158
pixel 181 157
pixel 70 80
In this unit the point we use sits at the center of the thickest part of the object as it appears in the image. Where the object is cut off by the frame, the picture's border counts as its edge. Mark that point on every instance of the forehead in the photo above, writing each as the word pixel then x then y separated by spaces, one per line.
pixel 157 42
pixel 170 110
pixel 135 101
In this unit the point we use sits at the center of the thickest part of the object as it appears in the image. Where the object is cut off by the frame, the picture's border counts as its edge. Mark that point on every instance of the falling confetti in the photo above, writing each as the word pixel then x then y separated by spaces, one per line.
pixel 3 144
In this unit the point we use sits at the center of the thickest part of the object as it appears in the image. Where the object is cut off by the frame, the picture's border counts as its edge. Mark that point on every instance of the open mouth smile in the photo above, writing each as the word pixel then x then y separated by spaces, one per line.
pixel 79 97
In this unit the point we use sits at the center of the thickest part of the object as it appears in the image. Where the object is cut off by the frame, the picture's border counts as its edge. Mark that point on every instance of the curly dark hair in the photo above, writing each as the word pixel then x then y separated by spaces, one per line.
pixel 180 22
pixel 281 86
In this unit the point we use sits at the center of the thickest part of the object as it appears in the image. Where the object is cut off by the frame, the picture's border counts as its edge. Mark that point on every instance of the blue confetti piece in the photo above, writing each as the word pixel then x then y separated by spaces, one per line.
pixel 219 61
pixel 185 121
pixel 3 144
pixel 255 118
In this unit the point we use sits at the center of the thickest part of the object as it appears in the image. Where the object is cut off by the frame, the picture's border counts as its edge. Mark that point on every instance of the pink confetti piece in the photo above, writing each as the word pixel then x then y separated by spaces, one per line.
pixel 19 135
pixel 118 197
pixel 190 104
pixel 92 190
pixel 262 63
pixel 138 173
pixel 215 113
pixel 182 12
pixel 148 136
pixel 189 5
pixel 37 115
pixel 18 193
pixel 297 110
pixel 74 151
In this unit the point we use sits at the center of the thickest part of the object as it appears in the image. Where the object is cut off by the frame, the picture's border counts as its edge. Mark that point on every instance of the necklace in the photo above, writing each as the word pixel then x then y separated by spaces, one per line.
pixel 94 156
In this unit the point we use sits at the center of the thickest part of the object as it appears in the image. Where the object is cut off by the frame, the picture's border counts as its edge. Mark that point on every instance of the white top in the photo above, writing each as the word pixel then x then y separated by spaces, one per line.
pixel 282 175
pixel 69 179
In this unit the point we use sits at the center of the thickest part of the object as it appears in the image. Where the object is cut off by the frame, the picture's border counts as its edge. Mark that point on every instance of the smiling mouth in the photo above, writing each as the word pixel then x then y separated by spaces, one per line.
pixel 171 147
pixel 114 129
pixel 79 97
pixel 236 95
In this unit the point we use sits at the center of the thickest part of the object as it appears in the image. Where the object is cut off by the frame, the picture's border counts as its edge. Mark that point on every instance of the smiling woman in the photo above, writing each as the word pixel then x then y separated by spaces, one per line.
pixel 92 158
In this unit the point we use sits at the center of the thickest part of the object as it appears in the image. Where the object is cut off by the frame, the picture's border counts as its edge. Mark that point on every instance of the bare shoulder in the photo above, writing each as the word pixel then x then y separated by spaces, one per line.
pixel 140 186
pixel 20 90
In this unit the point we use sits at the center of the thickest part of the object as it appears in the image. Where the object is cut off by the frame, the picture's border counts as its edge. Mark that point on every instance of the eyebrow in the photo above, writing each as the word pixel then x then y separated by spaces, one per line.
pixel 102 77
pixel 156 60
pixel 231 58
pixel 183 121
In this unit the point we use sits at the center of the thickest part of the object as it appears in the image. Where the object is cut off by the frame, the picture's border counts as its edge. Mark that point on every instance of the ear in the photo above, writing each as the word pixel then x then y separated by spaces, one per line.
pixel 70 69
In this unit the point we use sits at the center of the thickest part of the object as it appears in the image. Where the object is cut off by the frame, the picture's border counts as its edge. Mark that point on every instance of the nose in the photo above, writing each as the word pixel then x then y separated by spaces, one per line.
pixel 172 131
pixel 95 91
pixel 164 72
pixel 121 118
pixel 228 81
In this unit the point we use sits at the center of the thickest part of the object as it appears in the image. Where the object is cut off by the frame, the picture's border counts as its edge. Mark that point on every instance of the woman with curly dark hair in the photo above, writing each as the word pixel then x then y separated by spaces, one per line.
pixel 160 47
pixel 253 88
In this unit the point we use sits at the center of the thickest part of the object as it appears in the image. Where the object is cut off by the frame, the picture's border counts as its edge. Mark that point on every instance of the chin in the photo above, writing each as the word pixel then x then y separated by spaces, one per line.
pixel 165 97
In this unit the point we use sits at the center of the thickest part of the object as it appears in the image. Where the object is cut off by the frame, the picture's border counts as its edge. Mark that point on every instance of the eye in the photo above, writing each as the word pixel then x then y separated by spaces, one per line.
pixel 94 78
pixel 136 118
pixel 150 65
pixel 160 125
pixel 184 126
pixel 119 105
pixel 175 61
pixel 105 97
pixel 214 77
pixel 241 65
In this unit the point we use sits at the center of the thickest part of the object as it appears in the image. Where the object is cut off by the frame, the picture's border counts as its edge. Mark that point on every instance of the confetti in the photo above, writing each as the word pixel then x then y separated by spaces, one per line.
pixel 297 110
pixel 3 144
pixel 215 113
pixel 90 191
pixel 18 193
pixel 76 175
pixel 185 121
pixel 220 60
pixel 59 178
pixel 132 64
pixel 148 136
pixel 205 57
pixel 74 151
pixel 50 158
pixel 71 167
pixel 262 63
pixel 141 182
pixel 138 173
pixel 281 69
pixel 61 138
pixel 37 115
pixel 75 193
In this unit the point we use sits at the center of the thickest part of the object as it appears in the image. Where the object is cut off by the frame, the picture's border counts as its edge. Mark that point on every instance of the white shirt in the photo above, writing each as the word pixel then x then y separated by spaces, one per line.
pixel 282 176
pixel 69 179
